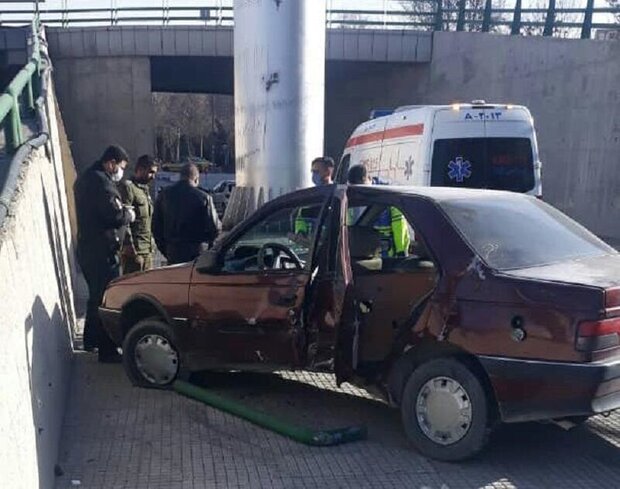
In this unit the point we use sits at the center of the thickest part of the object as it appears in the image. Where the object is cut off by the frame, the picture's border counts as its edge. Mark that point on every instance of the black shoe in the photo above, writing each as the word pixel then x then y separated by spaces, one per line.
pixel 112 357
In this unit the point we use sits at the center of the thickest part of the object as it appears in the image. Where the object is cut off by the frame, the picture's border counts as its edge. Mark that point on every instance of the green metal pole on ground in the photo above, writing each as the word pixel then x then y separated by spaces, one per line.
pixel 297 433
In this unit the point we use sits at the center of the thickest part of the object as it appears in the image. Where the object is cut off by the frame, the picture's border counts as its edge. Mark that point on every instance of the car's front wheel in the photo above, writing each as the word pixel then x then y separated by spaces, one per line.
pixel 445 410
pixel 150 355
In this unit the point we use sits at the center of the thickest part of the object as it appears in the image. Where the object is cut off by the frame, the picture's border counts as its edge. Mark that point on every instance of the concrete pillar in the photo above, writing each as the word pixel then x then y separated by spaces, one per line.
pixel 104 101
pixel 279 98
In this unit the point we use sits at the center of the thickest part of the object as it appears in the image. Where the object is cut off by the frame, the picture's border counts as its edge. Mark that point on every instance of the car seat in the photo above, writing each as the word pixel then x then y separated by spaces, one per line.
pixel 365 248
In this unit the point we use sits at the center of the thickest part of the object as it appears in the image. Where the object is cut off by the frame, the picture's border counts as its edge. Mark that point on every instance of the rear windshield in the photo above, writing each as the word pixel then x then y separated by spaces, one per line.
pixel 495 163
pixel 518 232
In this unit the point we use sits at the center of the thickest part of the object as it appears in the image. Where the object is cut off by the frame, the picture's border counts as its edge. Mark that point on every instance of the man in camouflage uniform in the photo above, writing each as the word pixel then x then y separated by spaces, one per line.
pixel 138 246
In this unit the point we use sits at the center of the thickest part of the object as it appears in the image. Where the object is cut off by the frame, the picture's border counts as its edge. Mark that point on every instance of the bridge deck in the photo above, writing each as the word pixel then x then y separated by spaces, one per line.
pixel 342 44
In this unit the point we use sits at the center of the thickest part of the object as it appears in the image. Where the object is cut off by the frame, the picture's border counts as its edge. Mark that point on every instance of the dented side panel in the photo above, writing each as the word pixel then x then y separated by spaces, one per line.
pixel 248 317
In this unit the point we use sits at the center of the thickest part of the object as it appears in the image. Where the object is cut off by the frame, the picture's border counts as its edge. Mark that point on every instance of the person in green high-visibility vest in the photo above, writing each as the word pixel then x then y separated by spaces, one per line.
pixel 307 218
pixel 391 223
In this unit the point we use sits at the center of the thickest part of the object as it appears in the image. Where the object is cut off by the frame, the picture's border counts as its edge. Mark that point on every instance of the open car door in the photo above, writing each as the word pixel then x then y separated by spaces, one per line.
pixel 248 308
pixel 333 333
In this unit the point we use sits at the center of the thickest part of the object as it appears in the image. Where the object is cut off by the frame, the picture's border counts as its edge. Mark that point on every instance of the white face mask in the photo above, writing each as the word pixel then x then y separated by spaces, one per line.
pixel 118 176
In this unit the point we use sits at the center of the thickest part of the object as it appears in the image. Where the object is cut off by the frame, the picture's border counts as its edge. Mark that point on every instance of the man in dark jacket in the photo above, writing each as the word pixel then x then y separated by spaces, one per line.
pixel 184 219
pixel 100 214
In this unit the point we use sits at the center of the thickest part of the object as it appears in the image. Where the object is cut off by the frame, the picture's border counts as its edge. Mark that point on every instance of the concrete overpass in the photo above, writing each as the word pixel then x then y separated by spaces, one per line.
pixel 113 71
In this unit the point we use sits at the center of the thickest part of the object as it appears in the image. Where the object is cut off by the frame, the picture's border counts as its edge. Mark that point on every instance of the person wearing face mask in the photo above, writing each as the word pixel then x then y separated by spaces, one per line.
pixel 322 170
pixel 138 246
pixel 100 216
pixel 184 220
pixel 306 218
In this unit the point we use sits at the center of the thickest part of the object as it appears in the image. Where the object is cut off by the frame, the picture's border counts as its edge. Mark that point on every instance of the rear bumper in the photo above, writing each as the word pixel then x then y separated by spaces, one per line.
pixel 111 322
pixel 529 390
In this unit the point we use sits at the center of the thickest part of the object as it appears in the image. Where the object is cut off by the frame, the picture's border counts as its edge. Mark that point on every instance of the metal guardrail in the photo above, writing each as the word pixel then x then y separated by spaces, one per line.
pixel 429 15
pixel 30 82
pixel 12 100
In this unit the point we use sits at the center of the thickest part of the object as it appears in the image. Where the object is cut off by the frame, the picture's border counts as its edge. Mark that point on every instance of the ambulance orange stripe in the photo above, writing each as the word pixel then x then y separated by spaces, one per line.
pixel 395 132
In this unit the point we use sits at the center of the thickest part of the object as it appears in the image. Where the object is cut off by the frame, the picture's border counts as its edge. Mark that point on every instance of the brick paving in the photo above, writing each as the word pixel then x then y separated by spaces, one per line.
pixel 119 436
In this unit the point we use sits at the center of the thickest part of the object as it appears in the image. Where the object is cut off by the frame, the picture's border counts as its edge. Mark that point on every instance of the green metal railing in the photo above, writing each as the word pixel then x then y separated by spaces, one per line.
pixel 21 93
pixel 427 15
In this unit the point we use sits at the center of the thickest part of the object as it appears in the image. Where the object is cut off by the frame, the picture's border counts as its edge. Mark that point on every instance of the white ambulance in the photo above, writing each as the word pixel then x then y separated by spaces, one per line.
pixel 476 145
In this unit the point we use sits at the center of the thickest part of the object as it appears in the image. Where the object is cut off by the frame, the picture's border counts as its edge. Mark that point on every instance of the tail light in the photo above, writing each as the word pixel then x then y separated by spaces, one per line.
pixel 612 298
pixel 598 335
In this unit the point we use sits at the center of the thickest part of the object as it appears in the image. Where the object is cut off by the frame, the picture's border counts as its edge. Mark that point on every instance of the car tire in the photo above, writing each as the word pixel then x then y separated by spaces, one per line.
pixel 150 355
pixel 458 426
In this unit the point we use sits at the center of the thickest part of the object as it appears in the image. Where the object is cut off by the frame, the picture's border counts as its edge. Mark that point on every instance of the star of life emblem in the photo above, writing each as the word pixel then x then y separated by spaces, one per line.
pixel 459 169
pixel 409 167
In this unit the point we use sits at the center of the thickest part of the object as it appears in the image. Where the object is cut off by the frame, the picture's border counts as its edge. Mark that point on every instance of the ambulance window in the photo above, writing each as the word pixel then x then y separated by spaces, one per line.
pixel 494 163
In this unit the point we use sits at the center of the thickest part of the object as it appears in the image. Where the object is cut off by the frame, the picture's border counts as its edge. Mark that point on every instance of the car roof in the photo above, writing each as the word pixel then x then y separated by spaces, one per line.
pixel 438 193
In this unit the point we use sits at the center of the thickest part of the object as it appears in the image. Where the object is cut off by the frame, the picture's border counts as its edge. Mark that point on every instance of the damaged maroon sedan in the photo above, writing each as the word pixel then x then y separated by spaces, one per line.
pixel 502 310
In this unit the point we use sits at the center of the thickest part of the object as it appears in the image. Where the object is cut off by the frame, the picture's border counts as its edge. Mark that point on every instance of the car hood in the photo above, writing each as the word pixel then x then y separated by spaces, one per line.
pixel 597 271
pixel 174 274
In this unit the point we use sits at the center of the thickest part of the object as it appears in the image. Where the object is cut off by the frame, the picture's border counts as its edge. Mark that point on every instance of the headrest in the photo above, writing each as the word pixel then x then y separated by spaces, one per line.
pixel 364 242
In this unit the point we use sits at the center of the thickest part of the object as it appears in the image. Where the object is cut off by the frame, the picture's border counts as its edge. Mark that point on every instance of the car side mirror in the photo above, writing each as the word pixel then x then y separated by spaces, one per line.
pixel 208 262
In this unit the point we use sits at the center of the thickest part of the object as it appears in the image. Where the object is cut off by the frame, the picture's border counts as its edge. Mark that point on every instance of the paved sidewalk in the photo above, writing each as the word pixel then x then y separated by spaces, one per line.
pixel 118 436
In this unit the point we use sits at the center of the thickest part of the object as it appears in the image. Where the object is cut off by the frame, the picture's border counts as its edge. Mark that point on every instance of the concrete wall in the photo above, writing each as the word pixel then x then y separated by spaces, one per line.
pixel 105 101
pixel 353 89
pixel 36 322
pixel 572 88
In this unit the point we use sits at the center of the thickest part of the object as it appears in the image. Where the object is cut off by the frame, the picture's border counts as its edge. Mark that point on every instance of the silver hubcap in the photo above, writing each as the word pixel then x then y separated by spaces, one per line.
pixel 156 359
pixel 443 410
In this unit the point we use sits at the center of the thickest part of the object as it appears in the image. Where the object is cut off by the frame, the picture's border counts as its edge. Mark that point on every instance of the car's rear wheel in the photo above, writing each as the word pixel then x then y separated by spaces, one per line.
pixel 150 355
pixel 445 410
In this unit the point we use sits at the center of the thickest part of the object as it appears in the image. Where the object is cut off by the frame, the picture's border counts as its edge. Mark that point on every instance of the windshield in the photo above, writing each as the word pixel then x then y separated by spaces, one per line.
pixel 494 163
pixel 510 232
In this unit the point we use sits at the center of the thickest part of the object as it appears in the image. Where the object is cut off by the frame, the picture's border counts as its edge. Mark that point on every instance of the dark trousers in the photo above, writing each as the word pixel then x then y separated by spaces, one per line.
pixel 99 269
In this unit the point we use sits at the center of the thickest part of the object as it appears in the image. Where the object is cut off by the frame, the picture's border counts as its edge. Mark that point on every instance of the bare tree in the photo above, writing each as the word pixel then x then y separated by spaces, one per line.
pixel 423 13
pixel 615 4
pixel 193 125
pixel 559 19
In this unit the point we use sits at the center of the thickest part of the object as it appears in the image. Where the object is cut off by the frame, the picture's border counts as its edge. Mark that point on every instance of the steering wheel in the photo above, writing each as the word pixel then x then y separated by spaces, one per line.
pixel 281 248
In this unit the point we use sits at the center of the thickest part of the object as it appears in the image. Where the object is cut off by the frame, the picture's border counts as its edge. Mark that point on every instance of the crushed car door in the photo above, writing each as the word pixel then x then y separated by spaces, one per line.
pixel 250 310
pixel 331 318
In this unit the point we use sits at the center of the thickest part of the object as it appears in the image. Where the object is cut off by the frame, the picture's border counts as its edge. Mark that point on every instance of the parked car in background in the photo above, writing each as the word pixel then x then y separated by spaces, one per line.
pixel 503 309
pixel 221 195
